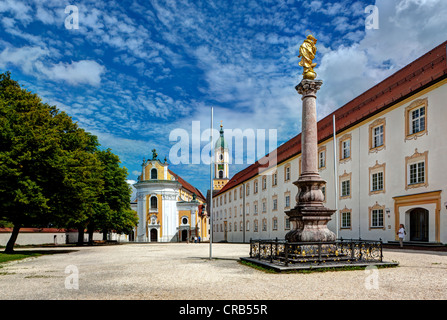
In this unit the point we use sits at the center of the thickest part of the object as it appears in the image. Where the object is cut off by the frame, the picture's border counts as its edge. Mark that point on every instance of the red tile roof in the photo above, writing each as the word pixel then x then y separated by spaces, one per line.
pixel 418 75
pixel 187 186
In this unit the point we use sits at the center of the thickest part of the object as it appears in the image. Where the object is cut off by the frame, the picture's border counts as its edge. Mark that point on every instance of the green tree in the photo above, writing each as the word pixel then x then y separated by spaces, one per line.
pixel 49 173
pixel 114 212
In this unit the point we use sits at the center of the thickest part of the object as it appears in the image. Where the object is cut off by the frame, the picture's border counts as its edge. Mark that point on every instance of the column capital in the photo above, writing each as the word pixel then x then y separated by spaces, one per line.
pixel 309 87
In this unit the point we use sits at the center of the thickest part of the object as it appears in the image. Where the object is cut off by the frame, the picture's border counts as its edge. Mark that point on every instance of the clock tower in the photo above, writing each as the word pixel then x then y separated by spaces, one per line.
pixel 221 160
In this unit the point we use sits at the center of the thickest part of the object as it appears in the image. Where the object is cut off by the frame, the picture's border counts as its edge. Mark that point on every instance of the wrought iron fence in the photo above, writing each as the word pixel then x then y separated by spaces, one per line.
pixel 347 251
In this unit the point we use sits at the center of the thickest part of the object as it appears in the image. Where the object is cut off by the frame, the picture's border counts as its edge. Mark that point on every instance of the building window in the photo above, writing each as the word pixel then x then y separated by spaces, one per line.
pixel 345 148
pixel 377 181
pixel 255 226
pixel 416 119
pixel 235 212
pixel 377 135
pixel 240 192
pixel 346 188
pixel 345 218
pixel 376 218
pixel 235 226
pixel 235 195
pixel 154 202
pixel 323 190
pixel 275 179
pixel 247 189
pixel 154 174
pixel 287 172
pixel 248 226
pixel 275 204
pixel 225 198
pixel 275 223
pixel 247 211
pixel 416 167
pixel 417 172
pixel 287 201
pixel 322 158
pixel 264 224
pixel 241 226
pixel 286 223
pixel 377 178
pixel 221 174
pixel 264 183
pixel 255 208
pixel 256 186
pixel 264 206
pixel 345 185
pixel 229 197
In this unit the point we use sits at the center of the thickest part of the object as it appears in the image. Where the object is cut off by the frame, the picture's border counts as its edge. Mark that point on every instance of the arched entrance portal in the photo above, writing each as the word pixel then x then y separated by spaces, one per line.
pixel 419 225
pixel 184 235
pixel 154 235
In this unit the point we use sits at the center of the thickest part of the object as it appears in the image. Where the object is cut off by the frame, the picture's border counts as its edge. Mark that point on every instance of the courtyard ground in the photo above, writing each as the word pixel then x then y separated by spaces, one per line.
pixel 183 271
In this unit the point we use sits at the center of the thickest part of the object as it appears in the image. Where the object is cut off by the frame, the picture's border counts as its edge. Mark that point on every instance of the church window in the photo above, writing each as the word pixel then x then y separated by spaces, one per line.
pixel 221 174
pixel 154 203
pixel 154 174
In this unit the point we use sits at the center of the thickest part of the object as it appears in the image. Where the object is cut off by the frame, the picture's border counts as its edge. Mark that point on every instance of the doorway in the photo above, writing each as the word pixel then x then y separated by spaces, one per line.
pixel 154 235
pixel 184 235
pixel 419 225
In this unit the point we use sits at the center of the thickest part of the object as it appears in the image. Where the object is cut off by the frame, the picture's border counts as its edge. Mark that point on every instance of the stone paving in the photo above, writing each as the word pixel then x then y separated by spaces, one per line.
pixel 183 271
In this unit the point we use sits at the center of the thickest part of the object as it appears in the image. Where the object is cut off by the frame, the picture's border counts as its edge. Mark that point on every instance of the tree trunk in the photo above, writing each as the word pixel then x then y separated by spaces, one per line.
pixel 12 240
pixel 80 236
pixel 104 234
pixel 90 231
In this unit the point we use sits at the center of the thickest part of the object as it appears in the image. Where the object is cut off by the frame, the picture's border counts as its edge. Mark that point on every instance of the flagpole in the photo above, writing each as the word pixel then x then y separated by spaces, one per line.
pixel 211 186
pixel 335 178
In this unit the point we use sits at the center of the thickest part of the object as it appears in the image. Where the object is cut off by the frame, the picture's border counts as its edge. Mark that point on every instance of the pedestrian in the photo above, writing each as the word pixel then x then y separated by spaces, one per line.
pixel 199 239
pixel 195 239
pixel 401 233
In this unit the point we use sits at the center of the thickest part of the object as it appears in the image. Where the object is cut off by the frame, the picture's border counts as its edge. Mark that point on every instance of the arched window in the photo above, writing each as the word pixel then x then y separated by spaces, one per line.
pixel 154 175
pixel 221 157
pixel 154 203
pixel 220 174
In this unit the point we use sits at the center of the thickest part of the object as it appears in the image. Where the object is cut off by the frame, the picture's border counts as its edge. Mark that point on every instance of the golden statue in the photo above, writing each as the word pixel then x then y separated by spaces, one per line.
pixel 307 53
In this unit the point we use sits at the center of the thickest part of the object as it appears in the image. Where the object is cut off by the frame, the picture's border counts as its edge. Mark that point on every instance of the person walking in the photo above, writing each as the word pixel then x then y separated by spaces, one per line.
pixel 401 233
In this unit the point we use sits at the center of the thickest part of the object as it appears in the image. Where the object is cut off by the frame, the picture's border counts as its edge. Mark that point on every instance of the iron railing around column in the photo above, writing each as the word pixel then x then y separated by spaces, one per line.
pixel 342 250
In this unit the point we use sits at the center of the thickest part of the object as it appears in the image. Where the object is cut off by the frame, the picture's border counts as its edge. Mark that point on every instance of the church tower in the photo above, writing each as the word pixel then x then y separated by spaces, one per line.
pixel 221 161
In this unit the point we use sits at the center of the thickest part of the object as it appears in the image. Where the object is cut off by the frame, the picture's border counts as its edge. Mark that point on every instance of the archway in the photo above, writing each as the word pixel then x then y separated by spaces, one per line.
pixel 184 235
pixel 154 235
pixel 419 224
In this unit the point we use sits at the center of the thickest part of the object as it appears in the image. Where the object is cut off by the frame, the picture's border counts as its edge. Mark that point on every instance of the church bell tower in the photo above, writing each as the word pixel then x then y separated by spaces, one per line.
pixel 221 160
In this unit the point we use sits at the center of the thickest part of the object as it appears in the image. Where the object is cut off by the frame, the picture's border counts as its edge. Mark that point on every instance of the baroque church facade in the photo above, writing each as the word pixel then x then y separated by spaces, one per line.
pixel 169 208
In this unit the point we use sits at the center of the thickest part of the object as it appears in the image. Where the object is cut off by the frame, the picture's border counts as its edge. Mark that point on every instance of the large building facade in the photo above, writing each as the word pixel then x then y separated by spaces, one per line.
pixel 389 158
pixel 169 208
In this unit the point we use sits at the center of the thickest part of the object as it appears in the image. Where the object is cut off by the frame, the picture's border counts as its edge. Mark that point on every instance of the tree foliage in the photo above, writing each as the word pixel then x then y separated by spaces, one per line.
pixel 51 170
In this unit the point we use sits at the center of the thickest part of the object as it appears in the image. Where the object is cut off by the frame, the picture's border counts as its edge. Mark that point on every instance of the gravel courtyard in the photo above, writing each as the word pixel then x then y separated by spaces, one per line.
pixel 184 272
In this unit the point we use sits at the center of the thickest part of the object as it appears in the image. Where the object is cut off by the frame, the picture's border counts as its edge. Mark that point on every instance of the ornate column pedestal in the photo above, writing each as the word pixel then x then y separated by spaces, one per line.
pixel 309 217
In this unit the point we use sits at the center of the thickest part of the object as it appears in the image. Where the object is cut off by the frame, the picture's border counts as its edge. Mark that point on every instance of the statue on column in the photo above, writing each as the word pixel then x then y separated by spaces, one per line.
pixel 307 53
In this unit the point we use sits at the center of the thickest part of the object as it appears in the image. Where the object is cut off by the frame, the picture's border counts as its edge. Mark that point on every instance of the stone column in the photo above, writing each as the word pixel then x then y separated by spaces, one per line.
pixel 309 217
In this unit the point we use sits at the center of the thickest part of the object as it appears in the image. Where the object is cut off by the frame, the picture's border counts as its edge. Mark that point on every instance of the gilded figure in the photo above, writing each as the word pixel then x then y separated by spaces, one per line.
pixel 307 53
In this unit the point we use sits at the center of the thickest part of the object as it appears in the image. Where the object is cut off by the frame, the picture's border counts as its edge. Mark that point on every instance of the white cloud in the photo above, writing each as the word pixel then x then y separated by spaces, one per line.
pixel 77 72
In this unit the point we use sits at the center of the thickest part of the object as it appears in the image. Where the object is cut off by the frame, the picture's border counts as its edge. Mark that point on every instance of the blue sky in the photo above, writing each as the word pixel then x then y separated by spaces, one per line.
pixel 135 71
